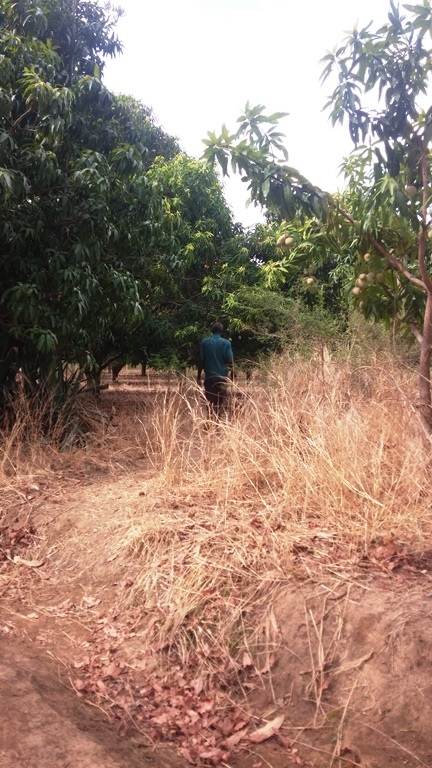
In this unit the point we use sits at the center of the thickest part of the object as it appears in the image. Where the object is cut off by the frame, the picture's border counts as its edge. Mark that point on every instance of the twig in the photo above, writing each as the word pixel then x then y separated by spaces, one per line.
pixel 325 752
pixel 381 733
pixel 336 752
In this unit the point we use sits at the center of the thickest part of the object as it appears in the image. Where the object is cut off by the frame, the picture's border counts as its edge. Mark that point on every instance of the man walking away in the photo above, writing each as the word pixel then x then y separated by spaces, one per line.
pixel 216 359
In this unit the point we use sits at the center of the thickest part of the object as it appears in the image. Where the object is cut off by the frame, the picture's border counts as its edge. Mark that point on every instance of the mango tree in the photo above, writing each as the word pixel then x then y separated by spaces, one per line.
pixel 382 81
pixel 200 246
pixel 78 216
pixel 389 173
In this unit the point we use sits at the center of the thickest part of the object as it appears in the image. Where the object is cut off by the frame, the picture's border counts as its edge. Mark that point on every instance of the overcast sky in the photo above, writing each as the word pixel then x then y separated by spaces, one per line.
pixel 197 62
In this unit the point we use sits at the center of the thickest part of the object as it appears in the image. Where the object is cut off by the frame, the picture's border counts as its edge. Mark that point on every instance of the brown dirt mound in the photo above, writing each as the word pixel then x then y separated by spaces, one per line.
pixel 351 675
pixel 345 675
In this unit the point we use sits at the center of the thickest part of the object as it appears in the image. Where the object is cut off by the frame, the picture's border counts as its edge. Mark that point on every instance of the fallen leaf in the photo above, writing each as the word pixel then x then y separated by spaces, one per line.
pixel 198 685
pixel 110 631
pixel 233 740
pixel 386 550
pixel 267 730
pixel 240 724
pixel 268 665
pixel 225 726
pixel 91 602
pixel 187 755
pixel 215 755
pixel 112 671
pixel 79 685
pixel 32 616
pixel 29 563
pixel 353 664
pixel 247 660
pixel 161 720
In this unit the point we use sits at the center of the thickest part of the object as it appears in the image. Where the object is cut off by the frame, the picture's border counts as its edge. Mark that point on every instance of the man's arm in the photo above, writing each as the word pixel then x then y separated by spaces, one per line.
pixel 200 364
pixel 230 361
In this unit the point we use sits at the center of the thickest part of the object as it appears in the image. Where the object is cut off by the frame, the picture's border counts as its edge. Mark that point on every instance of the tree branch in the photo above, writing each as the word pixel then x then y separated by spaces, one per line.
pixel 424 227
pixel 415 331
pixel 18 121
pixel 390 257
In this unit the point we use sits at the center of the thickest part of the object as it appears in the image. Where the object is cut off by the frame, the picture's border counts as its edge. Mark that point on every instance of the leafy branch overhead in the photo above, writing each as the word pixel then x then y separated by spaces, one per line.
pixel 391 64
pixel 256 151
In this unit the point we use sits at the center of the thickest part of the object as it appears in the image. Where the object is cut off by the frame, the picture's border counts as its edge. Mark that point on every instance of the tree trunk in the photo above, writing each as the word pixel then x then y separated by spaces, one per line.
pixel 425 410
pixel 426 341
pixel 93 382
pixel 115 370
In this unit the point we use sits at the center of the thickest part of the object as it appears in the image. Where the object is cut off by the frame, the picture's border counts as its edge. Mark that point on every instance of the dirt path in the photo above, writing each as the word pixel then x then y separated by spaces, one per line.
pixel 44 724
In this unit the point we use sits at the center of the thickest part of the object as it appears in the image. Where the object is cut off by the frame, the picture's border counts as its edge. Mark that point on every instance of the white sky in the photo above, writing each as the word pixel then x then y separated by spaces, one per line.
pixel 197 62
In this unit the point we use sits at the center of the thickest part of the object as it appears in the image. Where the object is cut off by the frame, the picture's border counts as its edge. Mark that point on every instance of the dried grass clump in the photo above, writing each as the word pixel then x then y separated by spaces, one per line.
pixel 40 437
pixel 31 434
pixel 321 451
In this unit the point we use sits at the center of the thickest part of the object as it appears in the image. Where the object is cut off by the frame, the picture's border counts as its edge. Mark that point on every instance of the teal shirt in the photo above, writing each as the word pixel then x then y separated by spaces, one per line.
pixel 216 354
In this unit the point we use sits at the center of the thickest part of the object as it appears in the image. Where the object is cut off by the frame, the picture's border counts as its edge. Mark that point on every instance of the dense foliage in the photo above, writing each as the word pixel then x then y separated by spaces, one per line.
pixel 74 194
pixel 115 245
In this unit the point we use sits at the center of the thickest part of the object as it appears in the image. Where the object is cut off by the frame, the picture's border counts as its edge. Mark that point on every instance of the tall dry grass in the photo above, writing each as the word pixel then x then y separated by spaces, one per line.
pixel 324 457
pixel 40 437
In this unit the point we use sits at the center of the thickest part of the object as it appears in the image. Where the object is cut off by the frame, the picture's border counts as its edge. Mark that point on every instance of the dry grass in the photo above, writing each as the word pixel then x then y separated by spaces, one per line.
pixel 324 455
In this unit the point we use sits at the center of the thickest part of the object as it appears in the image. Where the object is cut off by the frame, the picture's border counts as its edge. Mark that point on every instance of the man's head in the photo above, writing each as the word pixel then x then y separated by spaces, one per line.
pixel 217 328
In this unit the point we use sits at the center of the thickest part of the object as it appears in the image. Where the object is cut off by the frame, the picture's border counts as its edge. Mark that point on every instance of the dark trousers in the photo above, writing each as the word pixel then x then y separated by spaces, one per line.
pixel 216 392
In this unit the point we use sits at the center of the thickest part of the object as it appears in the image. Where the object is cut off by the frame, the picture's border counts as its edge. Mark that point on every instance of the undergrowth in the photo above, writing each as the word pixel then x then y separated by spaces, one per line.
pixel 316 451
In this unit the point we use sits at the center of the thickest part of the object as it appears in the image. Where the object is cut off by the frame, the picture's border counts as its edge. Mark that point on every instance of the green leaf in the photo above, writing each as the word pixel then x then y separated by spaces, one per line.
pixel 265 188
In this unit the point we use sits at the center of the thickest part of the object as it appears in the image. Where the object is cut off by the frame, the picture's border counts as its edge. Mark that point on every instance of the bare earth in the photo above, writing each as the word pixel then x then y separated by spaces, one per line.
pixel 43 723
pixel 377 659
